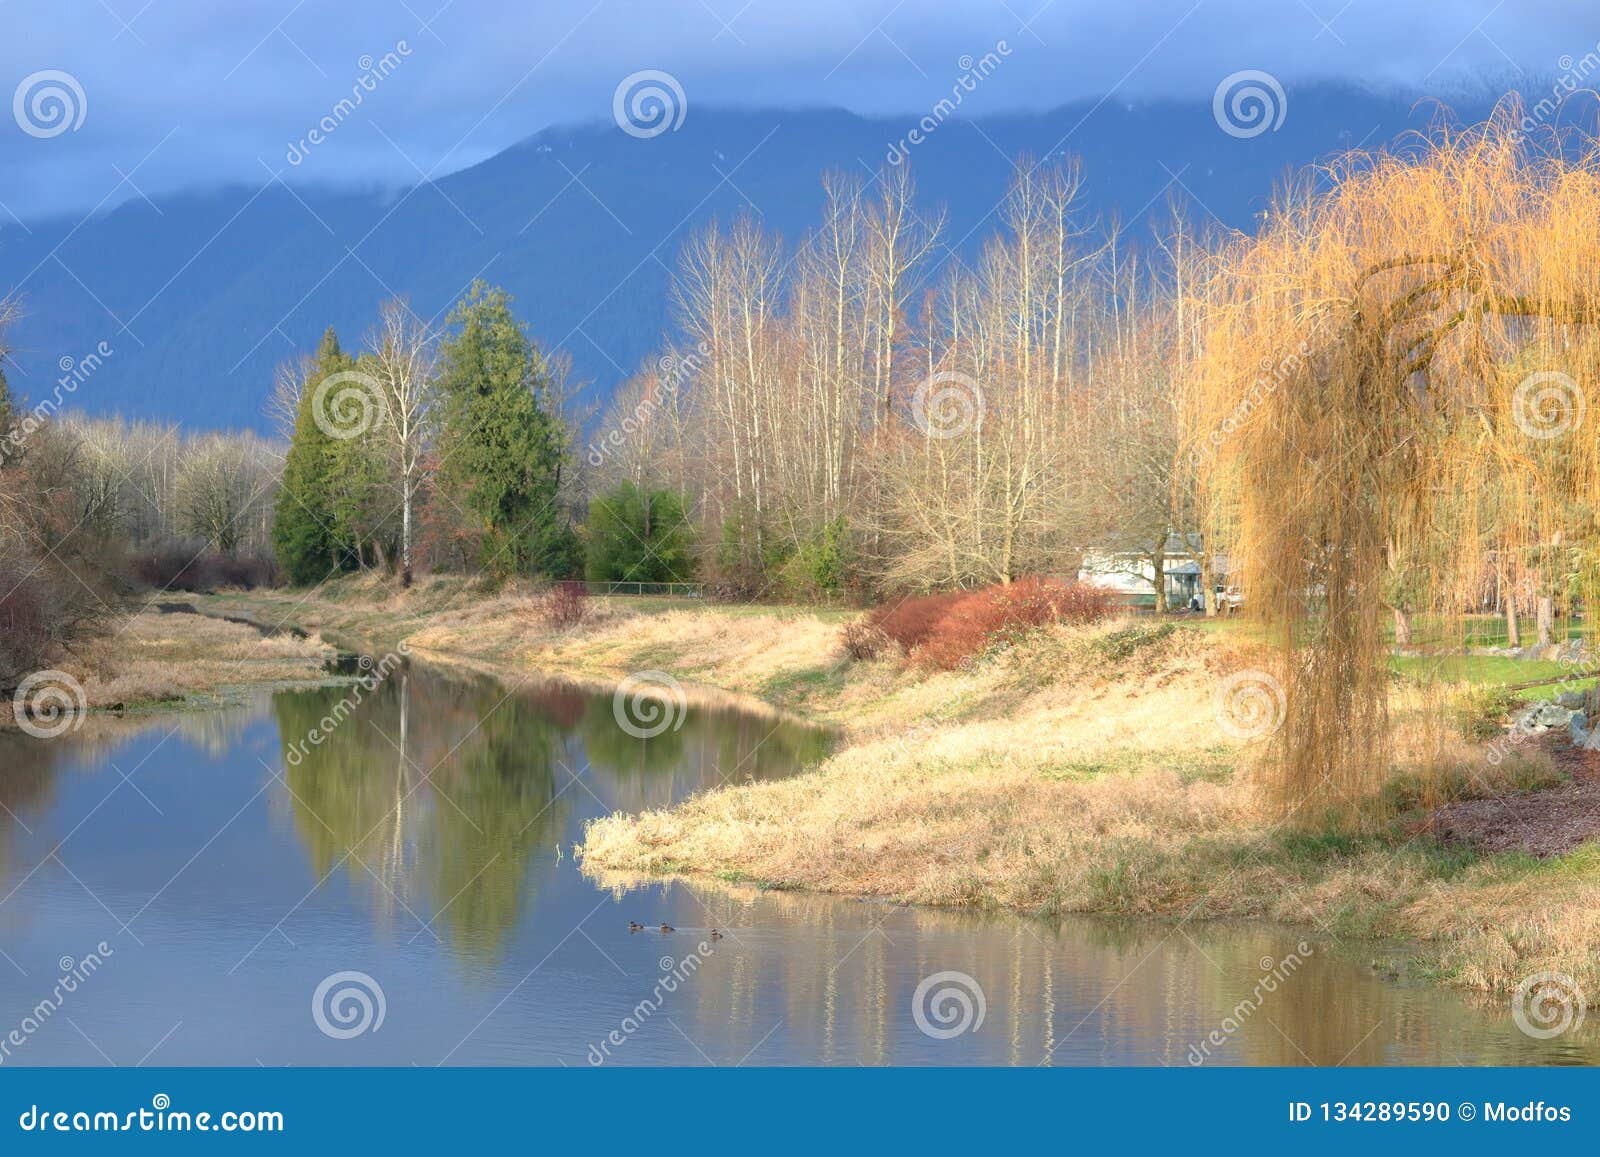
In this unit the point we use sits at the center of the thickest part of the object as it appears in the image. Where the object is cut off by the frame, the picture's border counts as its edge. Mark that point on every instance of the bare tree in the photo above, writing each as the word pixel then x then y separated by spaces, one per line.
pixel 288 386
pixel 404 357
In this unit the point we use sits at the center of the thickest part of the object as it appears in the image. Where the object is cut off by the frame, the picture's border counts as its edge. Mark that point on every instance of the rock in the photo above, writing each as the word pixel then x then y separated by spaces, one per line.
pixel 1542 717
pixel 1571 700
pixel 1578 729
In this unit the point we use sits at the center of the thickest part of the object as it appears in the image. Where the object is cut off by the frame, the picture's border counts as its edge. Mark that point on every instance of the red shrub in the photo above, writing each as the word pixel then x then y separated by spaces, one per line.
pixel 566 605
pixel 945 631
pixel 909 621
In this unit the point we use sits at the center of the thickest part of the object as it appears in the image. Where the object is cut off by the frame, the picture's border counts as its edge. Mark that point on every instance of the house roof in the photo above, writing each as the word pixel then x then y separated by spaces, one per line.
pixel 1182 544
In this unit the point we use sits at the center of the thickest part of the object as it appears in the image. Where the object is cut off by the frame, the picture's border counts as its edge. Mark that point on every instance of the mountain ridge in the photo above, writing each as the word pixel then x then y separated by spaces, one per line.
pixel 201 294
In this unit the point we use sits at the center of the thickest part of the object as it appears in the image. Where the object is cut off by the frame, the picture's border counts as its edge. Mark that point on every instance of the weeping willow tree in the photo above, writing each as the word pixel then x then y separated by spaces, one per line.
pixel 1397 367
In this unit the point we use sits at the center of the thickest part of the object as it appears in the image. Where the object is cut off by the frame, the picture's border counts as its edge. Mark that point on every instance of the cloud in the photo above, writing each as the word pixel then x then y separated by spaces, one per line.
pixel 191 93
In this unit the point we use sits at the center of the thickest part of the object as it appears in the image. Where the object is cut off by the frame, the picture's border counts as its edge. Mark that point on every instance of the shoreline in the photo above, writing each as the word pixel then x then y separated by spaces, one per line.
pixel 1073 773
pixel 159 660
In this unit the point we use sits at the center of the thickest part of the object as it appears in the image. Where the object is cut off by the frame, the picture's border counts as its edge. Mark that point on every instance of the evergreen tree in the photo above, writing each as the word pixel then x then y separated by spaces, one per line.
pixel 363 506
pixel 304 520
pixel 501 446
pixel 637 535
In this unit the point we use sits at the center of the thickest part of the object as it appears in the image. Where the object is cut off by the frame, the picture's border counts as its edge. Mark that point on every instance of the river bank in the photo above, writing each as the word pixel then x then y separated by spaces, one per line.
pixel 1076 771
pixel 160 660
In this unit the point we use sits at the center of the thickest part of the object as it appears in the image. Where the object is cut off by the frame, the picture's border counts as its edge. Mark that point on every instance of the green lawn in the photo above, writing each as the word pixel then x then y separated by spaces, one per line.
pixel 1485 670
pixel 1478 670
pixel 1218 625
pixel 1479 630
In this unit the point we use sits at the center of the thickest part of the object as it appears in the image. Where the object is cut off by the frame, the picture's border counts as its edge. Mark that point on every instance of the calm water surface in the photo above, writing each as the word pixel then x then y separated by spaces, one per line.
pixel 426 842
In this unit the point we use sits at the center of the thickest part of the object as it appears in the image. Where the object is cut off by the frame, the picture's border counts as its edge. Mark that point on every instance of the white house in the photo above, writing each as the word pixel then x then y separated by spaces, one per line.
pixel 1129 572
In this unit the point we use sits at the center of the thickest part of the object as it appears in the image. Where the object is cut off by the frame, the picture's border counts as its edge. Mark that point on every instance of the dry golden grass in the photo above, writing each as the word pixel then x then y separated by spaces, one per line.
pixel 767 653
pixel 151 658
pixel 1000 786
pixel 1052 781
pixel 1065 774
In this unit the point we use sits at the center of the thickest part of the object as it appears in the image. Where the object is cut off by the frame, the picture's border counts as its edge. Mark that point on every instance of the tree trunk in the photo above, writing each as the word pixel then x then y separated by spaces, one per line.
pixel 405 535
pixel 1158 564
pixel 1402 627
pixel 1208 587
pixel 1513 632
pixel 1547 620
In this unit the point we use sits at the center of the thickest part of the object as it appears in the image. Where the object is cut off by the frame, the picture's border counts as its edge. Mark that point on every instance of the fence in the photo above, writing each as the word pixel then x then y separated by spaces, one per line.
pixel 668 590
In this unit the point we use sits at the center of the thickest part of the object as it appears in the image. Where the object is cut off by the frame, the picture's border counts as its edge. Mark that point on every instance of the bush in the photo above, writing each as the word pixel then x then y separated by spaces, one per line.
pixel 636 534
pixel 864 641
pixel 566 605
pixel 25 636
pixel 909 622
pixel 946 630
pixel 1481 712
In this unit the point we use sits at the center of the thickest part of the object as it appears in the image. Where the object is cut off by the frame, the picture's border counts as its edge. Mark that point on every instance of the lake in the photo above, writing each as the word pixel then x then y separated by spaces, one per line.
pixel 254 886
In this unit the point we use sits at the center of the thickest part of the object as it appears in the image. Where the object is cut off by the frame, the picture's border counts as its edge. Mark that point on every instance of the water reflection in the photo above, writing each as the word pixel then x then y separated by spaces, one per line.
pixel 424 839
pixel 1069 992
pixel 433 792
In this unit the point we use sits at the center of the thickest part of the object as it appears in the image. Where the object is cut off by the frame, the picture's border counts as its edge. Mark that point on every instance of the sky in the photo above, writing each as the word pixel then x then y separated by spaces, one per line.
pixel 115 99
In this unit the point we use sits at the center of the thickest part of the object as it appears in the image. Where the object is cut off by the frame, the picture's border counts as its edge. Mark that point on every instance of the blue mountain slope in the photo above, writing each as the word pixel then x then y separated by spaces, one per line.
pixel 201 295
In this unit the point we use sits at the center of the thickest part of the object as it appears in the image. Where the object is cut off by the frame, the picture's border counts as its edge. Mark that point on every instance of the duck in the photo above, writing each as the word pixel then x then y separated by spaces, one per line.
pixel 668 928
pixel 635 926
pixel 715 935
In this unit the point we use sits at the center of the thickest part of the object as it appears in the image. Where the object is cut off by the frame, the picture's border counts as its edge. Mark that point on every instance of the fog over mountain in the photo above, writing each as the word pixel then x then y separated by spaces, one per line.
pixel 199 295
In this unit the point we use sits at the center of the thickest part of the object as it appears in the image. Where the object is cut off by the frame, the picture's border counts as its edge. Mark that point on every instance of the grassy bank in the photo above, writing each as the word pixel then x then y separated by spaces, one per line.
pixel 1075 771
pixel 778 654
pixel 154 661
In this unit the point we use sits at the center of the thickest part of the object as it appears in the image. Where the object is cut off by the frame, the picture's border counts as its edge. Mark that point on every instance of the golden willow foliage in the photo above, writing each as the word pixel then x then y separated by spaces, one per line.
pixel 1392 387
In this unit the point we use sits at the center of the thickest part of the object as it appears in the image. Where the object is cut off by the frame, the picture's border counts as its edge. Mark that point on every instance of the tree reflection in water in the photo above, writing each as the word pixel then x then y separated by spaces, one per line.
pixel 435 792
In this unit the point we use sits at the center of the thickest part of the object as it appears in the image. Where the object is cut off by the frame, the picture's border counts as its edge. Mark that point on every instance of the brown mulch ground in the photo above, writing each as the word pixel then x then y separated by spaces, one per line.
pixel 1541 823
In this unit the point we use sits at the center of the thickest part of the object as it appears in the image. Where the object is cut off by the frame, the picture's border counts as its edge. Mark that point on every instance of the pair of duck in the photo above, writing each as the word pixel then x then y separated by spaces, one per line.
pixel 635 926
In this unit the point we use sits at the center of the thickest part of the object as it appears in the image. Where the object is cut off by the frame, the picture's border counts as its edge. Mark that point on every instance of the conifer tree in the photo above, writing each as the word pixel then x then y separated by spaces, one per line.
pixel 304 531
pixel 501 446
